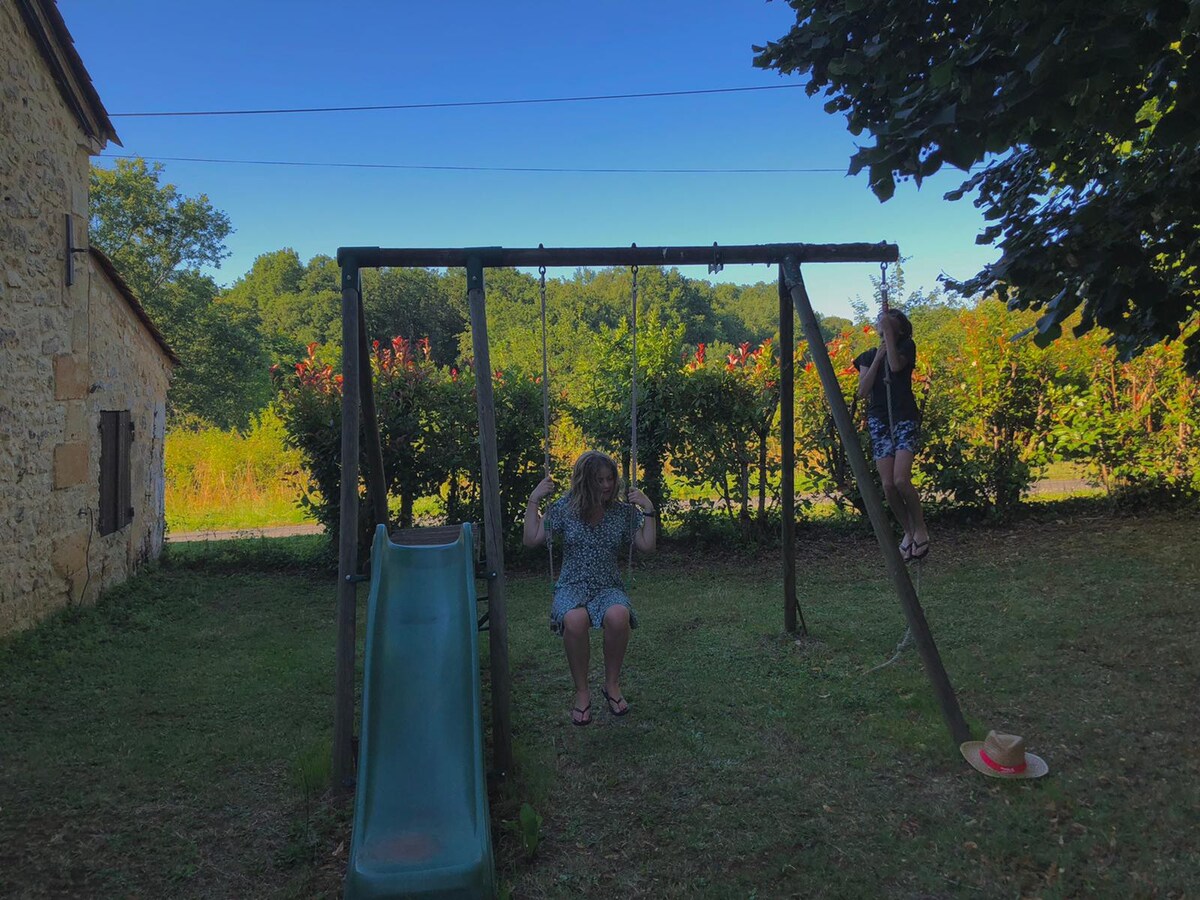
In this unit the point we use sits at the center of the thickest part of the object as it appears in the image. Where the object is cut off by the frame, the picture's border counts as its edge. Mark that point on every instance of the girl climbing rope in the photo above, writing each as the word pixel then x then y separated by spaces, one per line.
pixel 885 376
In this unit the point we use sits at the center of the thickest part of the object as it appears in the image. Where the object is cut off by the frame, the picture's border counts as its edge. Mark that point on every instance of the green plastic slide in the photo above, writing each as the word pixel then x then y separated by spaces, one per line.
pixel 421 826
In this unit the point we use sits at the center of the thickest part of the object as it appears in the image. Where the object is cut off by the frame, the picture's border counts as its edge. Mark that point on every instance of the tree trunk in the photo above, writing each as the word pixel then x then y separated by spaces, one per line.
pixel 406 507
pixel 762 477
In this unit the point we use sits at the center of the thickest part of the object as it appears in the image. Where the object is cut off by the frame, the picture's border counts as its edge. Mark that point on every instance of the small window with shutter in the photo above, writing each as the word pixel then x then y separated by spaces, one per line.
pixel 116 439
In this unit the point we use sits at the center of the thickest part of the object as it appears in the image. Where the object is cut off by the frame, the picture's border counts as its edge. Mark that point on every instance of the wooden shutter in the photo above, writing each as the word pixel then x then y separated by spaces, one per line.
pixel 125 465
pixel 110 452
pixel 116 439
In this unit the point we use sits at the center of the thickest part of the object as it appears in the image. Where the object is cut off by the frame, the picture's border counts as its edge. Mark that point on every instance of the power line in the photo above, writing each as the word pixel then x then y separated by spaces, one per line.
pixel 450 104
pixel 432 168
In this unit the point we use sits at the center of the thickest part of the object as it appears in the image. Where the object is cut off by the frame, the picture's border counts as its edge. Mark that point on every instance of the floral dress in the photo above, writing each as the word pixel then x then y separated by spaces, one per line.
pixel 591 572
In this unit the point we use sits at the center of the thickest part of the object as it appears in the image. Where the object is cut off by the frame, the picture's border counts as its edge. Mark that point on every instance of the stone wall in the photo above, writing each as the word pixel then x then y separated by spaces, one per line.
pixel 129 371
pixel 49 412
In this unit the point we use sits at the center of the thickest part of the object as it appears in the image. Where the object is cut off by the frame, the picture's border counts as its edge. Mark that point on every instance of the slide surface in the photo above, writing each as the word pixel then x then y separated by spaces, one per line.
pixel 421 825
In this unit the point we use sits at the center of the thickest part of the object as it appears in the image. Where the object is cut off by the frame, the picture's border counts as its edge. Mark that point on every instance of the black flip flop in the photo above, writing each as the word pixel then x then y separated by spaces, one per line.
pixel 582 712
pixel 612 701
pixel 916 546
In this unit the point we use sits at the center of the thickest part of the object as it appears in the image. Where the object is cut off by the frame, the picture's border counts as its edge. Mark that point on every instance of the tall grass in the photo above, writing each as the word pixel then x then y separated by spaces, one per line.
pixel 229 479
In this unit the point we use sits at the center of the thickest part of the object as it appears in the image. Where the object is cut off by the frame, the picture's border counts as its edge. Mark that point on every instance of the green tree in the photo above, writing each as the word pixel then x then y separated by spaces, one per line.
pixel 158 239
pixel 724 416
pixel 1082 115
pixel 749 312
pixel 833 326
pixel 602 401
pixel 224 379
pixel 415 302
pixel 824 467
pixel 150 231
pixel 295 304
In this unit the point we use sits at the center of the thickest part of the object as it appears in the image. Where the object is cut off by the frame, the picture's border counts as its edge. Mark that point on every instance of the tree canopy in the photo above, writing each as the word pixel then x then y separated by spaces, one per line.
pixel 1078 122
pixel 158 239
pixel 149 230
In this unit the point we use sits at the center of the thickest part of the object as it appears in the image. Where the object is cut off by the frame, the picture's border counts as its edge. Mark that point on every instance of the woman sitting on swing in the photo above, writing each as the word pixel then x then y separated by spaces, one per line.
pixel 894 431
pixel 595 527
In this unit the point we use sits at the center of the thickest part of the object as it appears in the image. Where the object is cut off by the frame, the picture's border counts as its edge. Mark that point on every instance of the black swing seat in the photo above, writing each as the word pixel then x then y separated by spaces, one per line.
pixel 432 536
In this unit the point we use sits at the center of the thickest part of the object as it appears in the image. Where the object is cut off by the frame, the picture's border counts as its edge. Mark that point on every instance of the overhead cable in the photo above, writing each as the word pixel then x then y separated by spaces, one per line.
pixel 448 168
pixel 454 104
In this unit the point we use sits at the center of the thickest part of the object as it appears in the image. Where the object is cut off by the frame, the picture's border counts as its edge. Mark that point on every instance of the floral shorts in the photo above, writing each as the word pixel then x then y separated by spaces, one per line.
pixel 886 441
pixel 596 603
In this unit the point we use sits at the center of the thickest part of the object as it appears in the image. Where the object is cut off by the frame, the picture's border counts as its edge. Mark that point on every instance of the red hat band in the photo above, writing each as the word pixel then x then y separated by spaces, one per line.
pixel 996 767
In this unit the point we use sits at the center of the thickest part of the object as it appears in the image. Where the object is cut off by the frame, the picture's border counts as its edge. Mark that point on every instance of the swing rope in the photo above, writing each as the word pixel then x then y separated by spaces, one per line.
pixel 633 406
pixel 546 406
pixel 633 384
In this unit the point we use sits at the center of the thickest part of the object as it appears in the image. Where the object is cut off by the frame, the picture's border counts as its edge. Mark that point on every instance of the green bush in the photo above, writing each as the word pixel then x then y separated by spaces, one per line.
pixel 1135 425
pixel 988 413
pixel 428 432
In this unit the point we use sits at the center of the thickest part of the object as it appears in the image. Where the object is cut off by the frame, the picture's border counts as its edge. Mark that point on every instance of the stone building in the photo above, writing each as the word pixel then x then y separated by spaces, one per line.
pixel 84 371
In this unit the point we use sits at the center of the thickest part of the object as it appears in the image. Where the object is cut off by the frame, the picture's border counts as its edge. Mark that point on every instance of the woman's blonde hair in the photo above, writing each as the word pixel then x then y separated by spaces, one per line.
pixel 585 495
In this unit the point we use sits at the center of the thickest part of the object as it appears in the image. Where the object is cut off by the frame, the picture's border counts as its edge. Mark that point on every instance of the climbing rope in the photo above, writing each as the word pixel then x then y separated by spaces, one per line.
pixel 906 640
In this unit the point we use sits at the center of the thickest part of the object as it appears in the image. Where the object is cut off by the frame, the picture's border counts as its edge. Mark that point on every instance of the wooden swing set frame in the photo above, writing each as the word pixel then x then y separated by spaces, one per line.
pixel 358 411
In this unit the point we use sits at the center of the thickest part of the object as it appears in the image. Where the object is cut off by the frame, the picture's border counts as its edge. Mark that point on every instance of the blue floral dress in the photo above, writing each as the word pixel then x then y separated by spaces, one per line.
pixel 591 571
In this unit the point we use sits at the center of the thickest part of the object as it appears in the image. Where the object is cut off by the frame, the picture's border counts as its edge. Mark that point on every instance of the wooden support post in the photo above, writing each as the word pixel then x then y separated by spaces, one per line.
pixel 347 595
pixel 376 481
pixel 787 440
pixel 870 494
pixel 493 522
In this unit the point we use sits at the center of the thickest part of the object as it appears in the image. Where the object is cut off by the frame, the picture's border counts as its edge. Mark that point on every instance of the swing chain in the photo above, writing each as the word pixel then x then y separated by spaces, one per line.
pixel 883 285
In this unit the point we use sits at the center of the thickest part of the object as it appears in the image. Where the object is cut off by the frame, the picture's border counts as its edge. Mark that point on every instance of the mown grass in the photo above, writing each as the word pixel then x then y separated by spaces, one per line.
pixel 169 742
pixel 756 765
pixel 155 746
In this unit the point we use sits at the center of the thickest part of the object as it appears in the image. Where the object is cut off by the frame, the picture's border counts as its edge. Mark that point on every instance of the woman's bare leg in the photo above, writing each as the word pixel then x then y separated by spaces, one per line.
pixel 895 499
pixel 902 480
pixel 577 644
pixel 616 639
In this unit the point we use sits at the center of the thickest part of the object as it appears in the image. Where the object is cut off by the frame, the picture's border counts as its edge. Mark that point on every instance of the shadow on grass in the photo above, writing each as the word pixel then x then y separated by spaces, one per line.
pixel 307 554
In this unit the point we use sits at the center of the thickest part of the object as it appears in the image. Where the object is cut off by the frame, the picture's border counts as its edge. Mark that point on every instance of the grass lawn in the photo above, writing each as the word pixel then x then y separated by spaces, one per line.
pixel 249 512
pixel 166 743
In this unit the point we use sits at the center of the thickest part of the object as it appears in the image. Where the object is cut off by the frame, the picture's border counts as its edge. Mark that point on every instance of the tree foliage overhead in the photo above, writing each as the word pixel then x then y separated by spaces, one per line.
pixel 1084 116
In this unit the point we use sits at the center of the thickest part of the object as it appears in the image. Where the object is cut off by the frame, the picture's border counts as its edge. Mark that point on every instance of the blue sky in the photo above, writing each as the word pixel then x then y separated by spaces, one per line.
pixel 222 55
